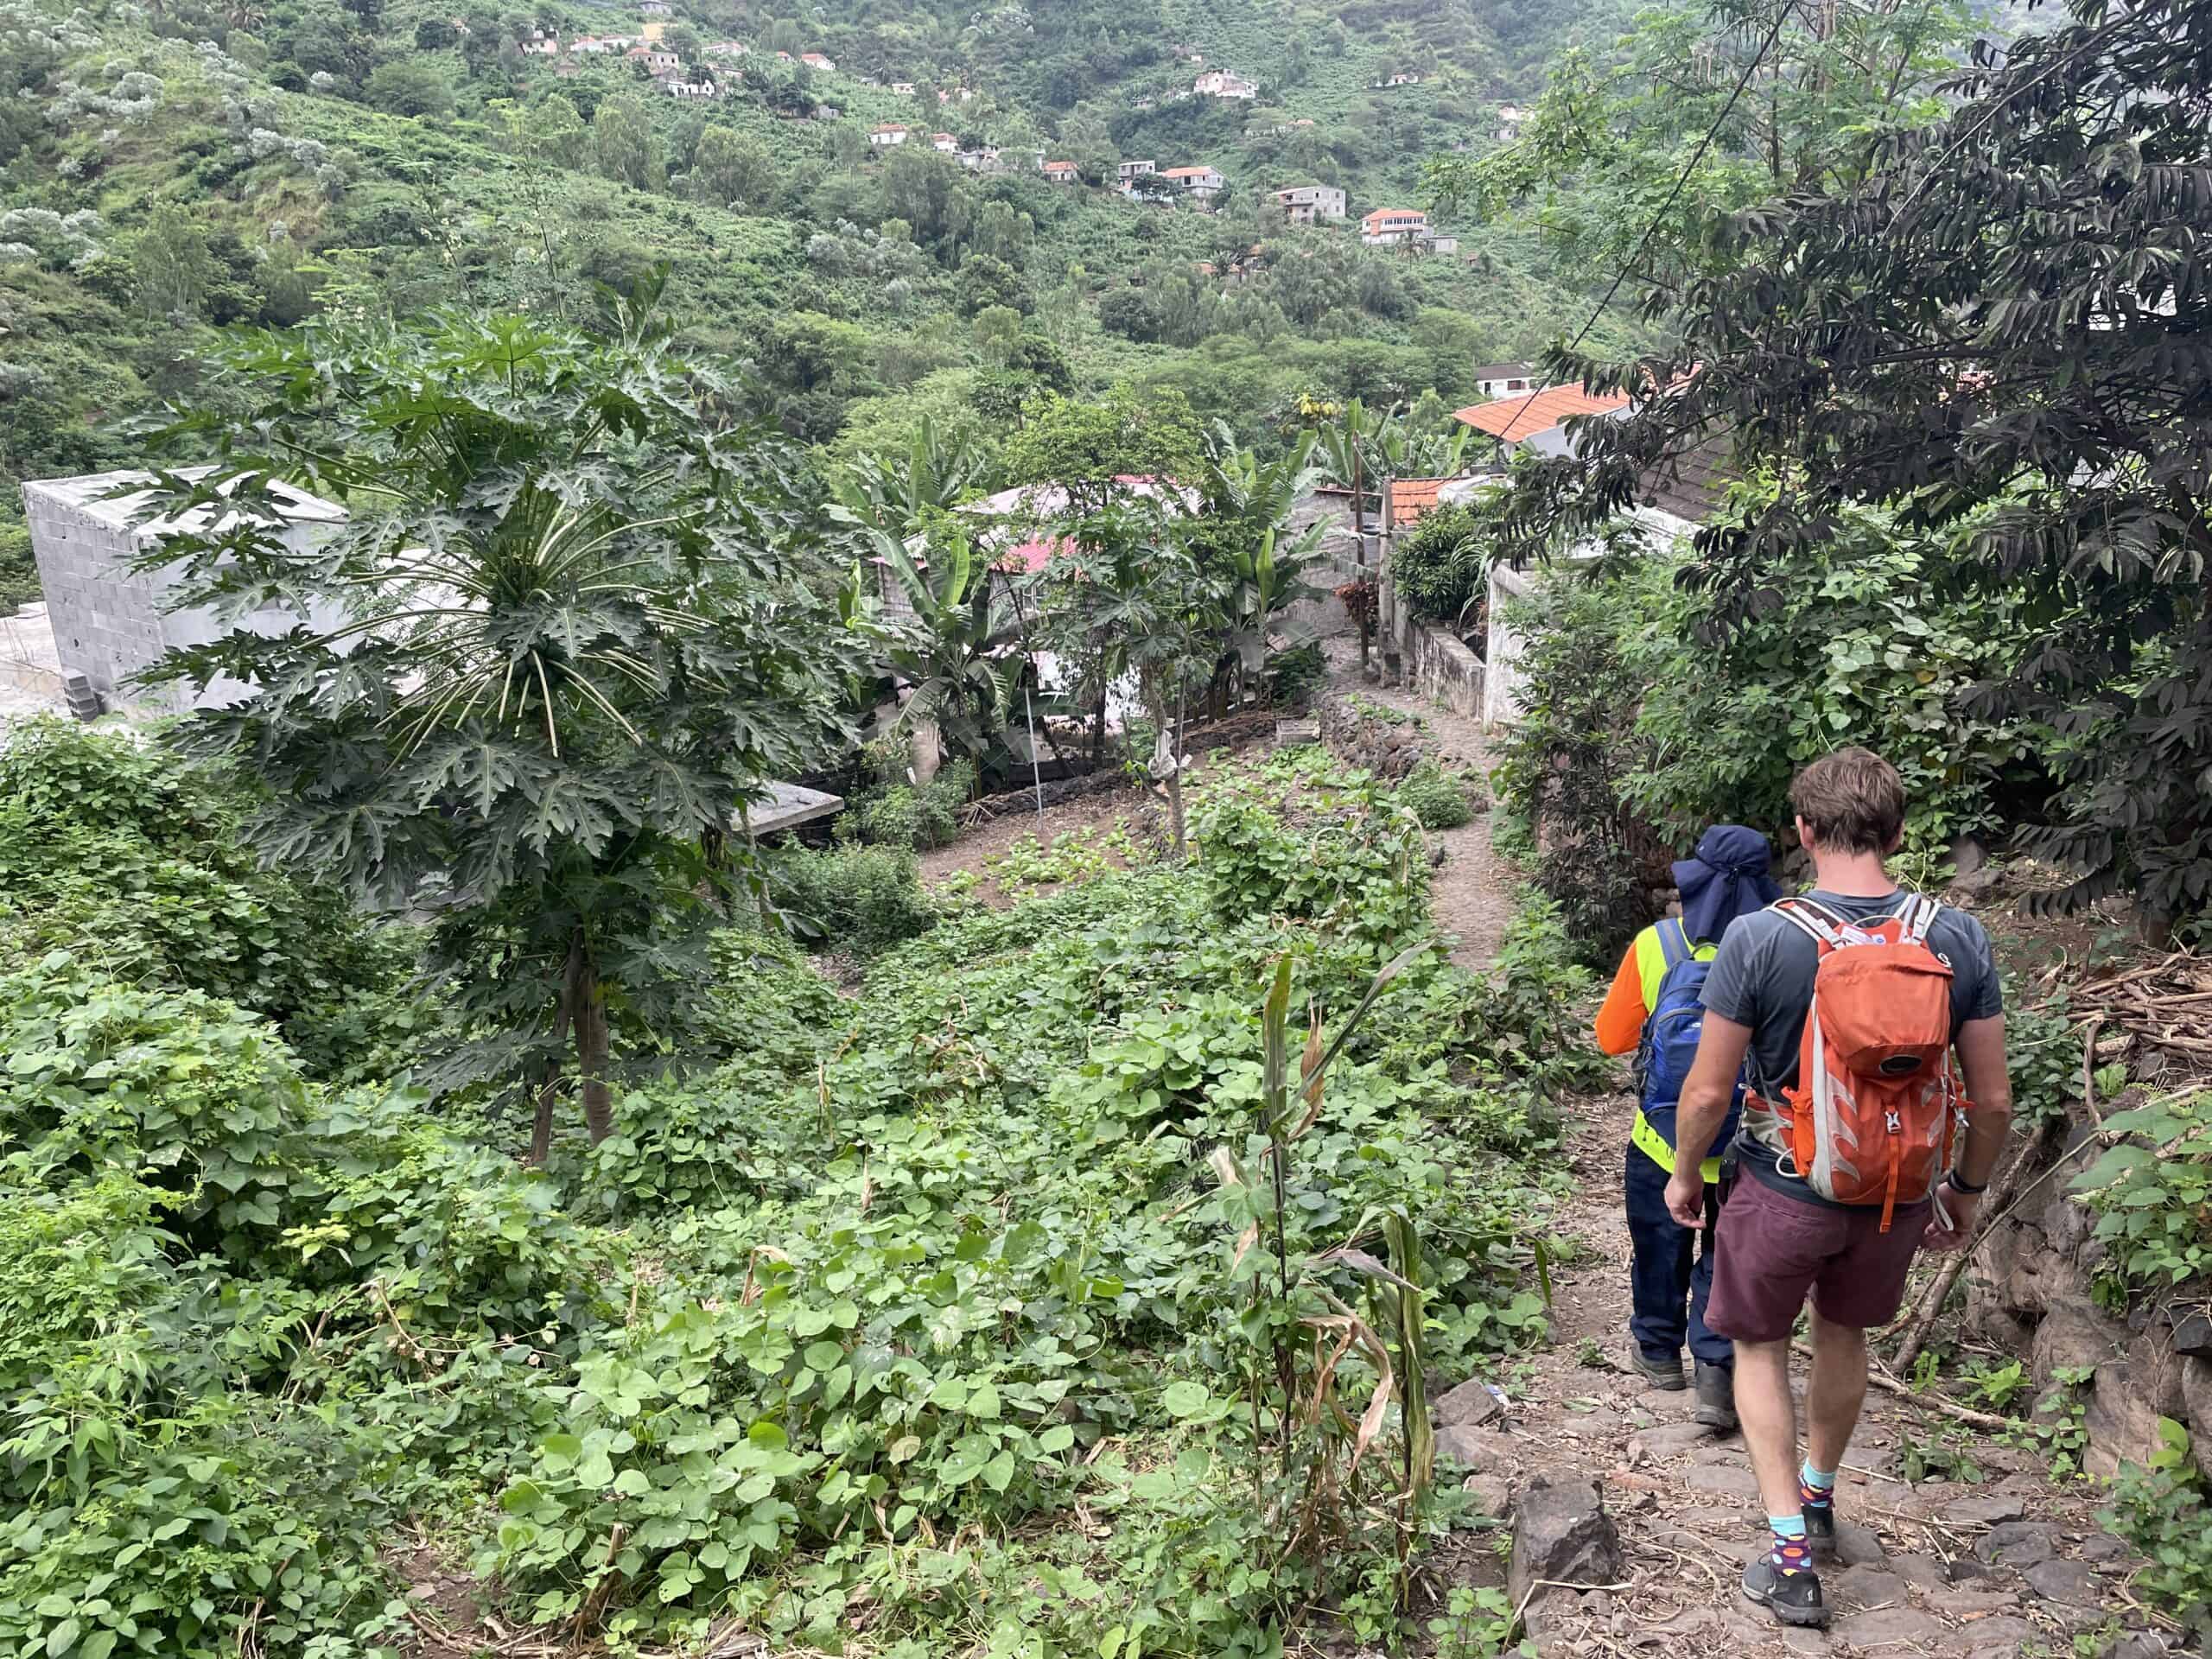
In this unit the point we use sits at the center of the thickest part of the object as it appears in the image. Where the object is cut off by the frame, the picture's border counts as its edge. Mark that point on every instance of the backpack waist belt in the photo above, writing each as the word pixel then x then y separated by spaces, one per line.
pixel 1654 1145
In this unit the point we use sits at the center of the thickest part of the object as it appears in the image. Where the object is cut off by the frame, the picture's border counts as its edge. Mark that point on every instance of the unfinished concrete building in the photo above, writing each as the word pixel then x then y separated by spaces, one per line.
pixel 111 618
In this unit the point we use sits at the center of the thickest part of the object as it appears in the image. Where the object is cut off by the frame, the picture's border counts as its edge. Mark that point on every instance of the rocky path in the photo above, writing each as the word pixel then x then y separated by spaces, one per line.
pixel 1608 1483
pixel 2015 1564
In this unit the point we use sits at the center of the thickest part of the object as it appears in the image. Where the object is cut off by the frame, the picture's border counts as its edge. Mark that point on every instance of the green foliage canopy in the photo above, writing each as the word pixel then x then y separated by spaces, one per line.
pixel 1987 372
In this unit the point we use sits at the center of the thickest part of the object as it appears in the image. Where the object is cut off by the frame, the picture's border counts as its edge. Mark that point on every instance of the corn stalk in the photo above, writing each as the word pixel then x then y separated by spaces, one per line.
pixel 1316 1433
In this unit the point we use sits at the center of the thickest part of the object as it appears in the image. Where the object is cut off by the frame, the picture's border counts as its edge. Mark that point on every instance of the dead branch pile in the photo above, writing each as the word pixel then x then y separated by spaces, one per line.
pixel 2161 1012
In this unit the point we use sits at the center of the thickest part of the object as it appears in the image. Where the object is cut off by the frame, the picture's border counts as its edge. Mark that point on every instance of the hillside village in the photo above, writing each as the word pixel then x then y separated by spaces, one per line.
pixel 1198 184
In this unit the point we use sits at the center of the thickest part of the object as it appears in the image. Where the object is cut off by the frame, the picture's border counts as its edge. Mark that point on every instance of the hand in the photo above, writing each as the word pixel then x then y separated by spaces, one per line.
pixel 1686 1195
pixel 1960 1207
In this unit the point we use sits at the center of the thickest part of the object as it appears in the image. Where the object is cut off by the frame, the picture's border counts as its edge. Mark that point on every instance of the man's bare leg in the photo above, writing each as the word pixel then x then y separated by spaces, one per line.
pixel 1782 1580
pixel 1769 1418
pixel 1834 1391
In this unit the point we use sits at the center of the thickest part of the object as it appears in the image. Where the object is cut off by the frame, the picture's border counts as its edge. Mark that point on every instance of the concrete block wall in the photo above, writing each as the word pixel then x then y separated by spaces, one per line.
pixel 107 617
pixel 1504 646
pixel 111 621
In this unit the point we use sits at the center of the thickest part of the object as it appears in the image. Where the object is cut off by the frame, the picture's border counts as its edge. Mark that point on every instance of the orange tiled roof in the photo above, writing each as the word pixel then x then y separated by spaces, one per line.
pixel 1411 497
pixel 1513 418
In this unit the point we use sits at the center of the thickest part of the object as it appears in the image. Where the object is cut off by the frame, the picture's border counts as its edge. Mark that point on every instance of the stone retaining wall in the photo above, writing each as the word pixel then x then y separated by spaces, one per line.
pixel 1425 656
pixel 2027 1290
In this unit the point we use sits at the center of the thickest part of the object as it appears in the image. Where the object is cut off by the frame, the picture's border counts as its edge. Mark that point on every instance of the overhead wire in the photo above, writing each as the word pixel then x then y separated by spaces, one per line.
pixel 1681 181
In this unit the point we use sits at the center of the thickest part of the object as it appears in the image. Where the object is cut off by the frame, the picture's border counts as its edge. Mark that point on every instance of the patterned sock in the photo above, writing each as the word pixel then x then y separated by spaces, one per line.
pixel 1791 1554
pixel 1816 1487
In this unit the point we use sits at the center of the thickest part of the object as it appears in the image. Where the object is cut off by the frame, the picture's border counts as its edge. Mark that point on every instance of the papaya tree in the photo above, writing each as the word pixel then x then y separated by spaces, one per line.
pixel 579 614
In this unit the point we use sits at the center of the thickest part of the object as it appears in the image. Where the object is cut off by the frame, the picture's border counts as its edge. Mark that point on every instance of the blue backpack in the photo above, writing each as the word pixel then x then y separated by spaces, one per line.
pixel 1670 1034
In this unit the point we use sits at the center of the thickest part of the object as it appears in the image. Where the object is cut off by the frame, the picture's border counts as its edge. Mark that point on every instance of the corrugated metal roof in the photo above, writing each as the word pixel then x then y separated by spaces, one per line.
pixel 1513 418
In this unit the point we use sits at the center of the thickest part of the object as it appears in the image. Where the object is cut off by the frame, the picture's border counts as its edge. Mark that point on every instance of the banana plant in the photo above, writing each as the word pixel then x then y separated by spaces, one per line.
pixel 961 660
pixel 1363 448
pixel 936 473
pixel 1239 521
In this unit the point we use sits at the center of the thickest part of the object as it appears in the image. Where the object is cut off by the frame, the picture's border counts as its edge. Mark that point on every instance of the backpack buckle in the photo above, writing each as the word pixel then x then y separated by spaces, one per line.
pixel 1891 1123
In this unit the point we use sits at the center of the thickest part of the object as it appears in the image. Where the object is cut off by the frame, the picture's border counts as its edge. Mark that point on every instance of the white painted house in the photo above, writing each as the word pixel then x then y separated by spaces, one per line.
pixel 1392 227
pixel 1501 379
pixel 889 136
pixel 1202 183
pixel 1219 83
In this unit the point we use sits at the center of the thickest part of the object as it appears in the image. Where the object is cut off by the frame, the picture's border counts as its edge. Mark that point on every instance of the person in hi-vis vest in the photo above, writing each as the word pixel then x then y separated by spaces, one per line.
pixel 1653 1010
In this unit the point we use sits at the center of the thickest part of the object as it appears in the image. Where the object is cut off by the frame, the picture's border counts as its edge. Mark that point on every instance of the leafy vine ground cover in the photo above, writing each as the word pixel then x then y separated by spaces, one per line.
pixel 928 1321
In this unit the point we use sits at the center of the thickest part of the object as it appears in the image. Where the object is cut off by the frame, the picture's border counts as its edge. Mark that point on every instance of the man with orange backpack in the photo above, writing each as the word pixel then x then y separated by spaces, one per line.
pixel 1860 1142
pixel 1656 1008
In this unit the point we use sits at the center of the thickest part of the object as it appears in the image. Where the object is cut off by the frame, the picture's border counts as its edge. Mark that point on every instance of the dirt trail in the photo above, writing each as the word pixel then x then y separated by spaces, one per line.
pixel 1472 892
pixel 2012 1564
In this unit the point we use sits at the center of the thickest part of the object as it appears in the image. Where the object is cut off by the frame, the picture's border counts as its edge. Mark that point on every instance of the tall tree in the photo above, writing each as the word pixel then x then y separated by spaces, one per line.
pixel 624 147
pixel 2008 315
pixel 733 169
pixel 574 622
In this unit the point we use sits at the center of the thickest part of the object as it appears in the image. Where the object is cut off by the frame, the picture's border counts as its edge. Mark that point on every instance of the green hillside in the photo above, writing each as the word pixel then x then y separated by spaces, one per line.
pixel 176 168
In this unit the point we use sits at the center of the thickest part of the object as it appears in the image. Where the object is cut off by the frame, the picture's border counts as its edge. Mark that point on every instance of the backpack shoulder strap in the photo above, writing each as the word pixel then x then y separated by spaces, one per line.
pixel 1674 942
pixel 1813 920
pixel 1918 915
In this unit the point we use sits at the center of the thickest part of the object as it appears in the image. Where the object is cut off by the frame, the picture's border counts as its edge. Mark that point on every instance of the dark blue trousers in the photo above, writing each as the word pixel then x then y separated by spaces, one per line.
pixel 1671 1264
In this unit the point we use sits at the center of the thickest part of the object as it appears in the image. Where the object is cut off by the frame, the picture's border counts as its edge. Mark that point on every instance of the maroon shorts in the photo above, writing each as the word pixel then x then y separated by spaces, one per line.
pixel 1770 1248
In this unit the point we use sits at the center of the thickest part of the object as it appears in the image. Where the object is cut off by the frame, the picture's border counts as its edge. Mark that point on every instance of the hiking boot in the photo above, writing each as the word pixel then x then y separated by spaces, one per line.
pixel 1662 1371
pixel 1819 1529
pixel 1716 1397
pixel 1793 1597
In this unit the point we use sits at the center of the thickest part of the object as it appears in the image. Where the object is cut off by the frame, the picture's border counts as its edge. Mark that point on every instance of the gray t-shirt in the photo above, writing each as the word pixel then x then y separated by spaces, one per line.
pixel 1763 978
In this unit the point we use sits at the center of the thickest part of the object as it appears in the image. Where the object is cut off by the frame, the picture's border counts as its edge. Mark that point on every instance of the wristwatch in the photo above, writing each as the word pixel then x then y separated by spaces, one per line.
pixel 1963 1188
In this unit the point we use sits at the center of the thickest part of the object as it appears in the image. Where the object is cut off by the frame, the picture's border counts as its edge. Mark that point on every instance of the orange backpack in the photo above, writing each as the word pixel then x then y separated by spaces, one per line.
pixel 1877 1107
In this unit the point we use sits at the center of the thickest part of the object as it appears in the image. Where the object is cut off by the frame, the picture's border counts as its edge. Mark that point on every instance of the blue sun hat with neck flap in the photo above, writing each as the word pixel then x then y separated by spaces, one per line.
pixel 1728 876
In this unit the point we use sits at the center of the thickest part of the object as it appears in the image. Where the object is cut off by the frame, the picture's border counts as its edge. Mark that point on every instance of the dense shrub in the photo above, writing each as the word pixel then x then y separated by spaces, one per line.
pixel 919 816
pixel 1442 570
pixel 1862 645
pixel 931 1261
pixel 221 1298
pixel 1645 720
pixel 130 857
pixel 2165 1512
pixel 853 897
pixel 1436 796
pixel 1295 675
pixel 1562 764
pixel 1300 839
